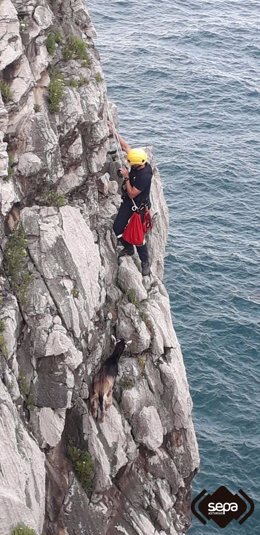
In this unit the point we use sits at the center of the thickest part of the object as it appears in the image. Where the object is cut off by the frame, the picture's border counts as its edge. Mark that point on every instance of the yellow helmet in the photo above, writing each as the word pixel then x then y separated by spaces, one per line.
pixel 137 157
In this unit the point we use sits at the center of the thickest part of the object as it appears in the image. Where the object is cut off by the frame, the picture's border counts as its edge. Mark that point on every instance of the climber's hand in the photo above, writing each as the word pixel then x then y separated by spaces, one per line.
pixel 124 172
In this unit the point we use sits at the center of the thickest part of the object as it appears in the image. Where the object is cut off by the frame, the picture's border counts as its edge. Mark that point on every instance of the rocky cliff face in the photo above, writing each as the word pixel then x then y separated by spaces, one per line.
pixel 62 296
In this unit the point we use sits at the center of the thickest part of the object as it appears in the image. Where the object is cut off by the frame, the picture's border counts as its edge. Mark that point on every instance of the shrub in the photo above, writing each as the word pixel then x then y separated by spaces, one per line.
pixel 21 529
pixel 132 297
pixel 51 41
pixel 6 91
pixel 77 83
pixel 24 388
pixel 10 170
pixel 75 292
pixel 82 81
pixel 98 78
pixel 144 316
pixel 15 256
pixel 2 339
pixel 22 289
pixel 75 48
pixel 25 391
pixel 51 44
pixel 56 90
pixel 141 361
pixel 37 108
pixel 72 83
pixel 23 25
pixel 15 252
pixel 83 467
pixel 58 37
pixel 127 383
pixel 54 199
pixel 86 63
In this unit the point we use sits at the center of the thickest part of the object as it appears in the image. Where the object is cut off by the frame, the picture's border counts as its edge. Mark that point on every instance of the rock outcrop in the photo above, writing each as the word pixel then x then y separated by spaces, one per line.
pixel 62 296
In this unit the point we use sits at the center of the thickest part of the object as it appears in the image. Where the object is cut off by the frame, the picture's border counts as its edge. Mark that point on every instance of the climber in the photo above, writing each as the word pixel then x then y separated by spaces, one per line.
pixel 136 185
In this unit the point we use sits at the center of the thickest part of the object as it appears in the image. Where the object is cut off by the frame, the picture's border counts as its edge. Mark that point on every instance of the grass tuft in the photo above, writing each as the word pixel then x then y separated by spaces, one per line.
pixel 15 259
pixel 52 40
pixel 86 63
pixel 54 199
pixel 24 387
pixel 126 383
pixel 6 92
pixel 75 48
pixel 75 292
pixel 2 339
pixel 15 252
pixel 56 90
pixel 132 297
pixel 76 83
pixel 83 467
pixel 141 362
pixel 25 392
pixel 21 529
pixel 10 170
pixel 98 78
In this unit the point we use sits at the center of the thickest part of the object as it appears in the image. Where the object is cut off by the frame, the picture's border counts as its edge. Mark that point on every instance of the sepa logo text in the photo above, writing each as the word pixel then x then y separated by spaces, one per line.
pixel 222 506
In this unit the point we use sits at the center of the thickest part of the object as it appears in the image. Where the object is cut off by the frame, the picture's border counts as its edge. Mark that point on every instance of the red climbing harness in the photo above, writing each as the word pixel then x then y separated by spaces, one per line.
pixel 147 221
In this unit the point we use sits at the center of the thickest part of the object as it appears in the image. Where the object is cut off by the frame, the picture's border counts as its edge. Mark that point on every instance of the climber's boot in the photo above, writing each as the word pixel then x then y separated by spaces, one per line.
pixel 126 251
pixel 146 272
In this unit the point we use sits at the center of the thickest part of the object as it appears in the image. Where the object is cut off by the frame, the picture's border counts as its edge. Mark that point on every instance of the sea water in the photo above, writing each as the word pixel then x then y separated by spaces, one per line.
pixel 185 76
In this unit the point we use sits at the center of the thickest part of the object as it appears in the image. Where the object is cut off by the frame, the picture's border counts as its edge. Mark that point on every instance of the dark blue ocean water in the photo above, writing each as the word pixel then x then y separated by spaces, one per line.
pixel 185 76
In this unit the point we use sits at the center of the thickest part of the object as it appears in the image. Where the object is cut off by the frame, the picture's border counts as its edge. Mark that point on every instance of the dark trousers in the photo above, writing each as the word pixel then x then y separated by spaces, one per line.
pixel 121 220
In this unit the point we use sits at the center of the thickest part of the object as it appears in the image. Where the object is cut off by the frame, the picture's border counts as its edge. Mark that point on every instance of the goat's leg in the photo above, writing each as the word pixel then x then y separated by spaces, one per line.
pixel 109 399
pixel 103 408
pixel 94 405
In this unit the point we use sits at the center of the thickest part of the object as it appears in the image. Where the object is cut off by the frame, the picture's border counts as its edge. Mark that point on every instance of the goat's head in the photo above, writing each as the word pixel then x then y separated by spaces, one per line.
pixel 121 343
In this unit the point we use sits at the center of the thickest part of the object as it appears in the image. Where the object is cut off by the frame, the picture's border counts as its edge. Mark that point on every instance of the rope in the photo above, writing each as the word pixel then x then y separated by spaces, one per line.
pixel 116 138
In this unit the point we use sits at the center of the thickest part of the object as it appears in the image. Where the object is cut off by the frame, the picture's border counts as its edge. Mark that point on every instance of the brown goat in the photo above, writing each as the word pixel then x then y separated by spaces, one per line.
pixel 103 382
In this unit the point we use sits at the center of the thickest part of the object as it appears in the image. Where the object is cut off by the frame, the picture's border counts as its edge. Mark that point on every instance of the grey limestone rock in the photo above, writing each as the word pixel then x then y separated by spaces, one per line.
pixel 74 262
pixel 134 399
pixel 113 187
pixel 43 16
pixel 3 145
pixel 22 474
pixel 48 425
pixel 11 319
pixel 54 384
pixel 131 326
pixel 29 163
pixel 158 311
pixel 130 279
pixel 23 80
pixel 148 428
pixel 103 184
pixel 158 236
pixel 11 43
pixel 57 167
pixel 8 195
pixel 72 180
